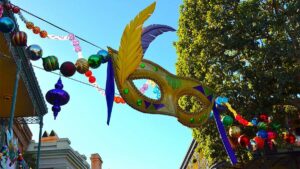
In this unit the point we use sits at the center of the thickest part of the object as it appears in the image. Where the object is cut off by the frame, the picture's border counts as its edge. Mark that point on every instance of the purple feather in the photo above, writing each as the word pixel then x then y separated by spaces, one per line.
pixel 151 32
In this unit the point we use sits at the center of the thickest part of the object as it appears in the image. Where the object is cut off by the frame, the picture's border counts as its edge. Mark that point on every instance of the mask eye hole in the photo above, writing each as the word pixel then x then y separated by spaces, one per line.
pixel 147 88
pixel 191 104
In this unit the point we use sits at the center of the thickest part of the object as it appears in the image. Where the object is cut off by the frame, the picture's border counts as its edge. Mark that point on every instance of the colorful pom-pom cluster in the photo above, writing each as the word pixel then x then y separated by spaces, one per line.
pixel 267 130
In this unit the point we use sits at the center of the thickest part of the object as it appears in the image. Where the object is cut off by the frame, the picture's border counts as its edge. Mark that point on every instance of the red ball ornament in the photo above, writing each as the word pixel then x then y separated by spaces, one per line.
pixel 68 69
pixel 244 141
pixel 88 73
pixel 263 118
pixel 123 101
pixel 92 79
pixel 290 138
pixel 271 135
pixel 16 9
pixel 260 142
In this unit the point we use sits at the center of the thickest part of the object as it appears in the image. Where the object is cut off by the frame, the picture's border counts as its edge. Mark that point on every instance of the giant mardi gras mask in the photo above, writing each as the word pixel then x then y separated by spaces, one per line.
pixel 128 64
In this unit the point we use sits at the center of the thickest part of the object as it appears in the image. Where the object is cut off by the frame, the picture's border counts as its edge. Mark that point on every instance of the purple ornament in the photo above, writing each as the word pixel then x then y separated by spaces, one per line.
pixel 57 97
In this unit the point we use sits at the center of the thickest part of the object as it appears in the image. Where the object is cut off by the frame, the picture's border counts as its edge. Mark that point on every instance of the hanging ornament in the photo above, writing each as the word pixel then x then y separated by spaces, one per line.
pixel 57 97
pixel 262 133
pixel 43 34
pixel 263 118
pixel 82 65
pixel 254 121
pixel 290 138
pixel 271 135
pixel 262 126
pixel 34 52
pixel 7 25
pixel 67 69
pixel 95 61
pixel 104 55
pixel 36 30
pixel 19 38
pixel 16 9
pixel 88 73
pixel 234 131
pixel 92 79
pixel 50 63
pixel 29 25
pixel 227 120
pixel 259 142
pixel 244 141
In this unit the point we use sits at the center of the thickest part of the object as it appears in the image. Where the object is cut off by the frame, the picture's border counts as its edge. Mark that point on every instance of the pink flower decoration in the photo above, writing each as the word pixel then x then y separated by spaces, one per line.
pixel 1 10
pixel 77 49
pixel 75 42
pixel 71 36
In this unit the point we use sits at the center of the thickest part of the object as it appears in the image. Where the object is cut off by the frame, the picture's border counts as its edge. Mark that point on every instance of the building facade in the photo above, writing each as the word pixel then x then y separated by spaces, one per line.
pixel 57 153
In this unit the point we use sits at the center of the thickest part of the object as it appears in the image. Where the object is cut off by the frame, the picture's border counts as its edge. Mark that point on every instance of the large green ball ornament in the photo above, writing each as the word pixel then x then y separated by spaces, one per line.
pixel 82 66
pixel 227 120
pixel 95 61
pixel 234 131
pixel 262 126
pixel 50 63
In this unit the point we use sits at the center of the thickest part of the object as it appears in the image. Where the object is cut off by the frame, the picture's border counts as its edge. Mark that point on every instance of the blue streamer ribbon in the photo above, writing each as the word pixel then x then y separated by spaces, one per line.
pixel 224 137
pixel 109 89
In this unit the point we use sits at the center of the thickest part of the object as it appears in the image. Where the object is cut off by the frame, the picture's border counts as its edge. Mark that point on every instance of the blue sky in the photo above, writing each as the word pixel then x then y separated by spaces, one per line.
pixel 133 140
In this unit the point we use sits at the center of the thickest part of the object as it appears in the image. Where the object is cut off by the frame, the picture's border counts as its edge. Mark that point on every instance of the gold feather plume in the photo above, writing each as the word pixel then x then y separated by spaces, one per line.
pixel 131 51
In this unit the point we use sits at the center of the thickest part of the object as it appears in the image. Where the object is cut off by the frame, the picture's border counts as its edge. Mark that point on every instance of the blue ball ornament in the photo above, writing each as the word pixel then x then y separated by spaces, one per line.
pixel 254 121
pixel 105 56
pixel 262 133
pixel 7 25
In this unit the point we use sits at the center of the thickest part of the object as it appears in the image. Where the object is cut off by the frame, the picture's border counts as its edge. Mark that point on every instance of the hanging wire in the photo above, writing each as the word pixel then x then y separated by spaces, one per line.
pixel 76 80
pixel 60 28
pixel 58 74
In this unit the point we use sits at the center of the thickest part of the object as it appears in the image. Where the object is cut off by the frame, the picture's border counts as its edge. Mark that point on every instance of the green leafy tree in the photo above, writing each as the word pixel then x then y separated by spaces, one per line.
pixel 246 50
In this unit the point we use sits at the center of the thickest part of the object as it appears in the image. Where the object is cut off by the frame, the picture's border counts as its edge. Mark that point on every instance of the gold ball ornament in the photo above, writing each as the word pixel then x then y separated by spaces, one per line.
pixel 234 131
pixel 82 65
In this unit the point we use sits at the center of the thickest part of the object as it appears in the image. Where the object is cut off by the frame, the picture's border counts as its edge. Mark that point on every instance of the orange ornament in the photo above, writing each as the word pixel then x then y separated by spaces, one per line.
pixel 117 99
pixel 29 25
pixel 43 34
pixel 123 101
pixel 36 30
